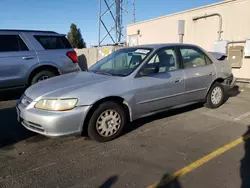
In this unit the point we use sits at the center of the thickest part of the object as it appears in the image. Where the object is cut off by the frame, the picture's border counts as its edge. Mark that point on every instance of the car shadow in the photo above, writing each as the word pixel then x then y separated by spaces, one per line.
pixel 11 94
pixel 11 130
pixel 232 93
pixel 245 161
pixel 109 182
pixel 168 182
pixel 140 122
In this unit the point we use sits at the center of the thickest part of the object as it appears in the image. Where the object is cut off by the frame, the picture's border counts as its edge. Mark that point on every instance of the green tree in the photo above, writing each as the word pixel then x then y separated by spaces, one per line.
pixel 75 37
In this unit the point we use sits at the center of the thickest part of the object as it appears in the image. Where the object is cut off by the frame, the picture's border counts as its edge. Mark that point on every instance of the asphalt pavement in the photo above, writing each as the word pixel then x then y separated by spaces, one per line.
pixel 199 147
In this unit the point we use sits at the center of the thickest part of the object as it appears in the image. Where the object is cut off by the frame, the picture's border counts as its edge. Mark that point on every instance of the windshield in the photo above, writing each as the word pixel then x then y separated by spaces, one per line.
pixel 121 62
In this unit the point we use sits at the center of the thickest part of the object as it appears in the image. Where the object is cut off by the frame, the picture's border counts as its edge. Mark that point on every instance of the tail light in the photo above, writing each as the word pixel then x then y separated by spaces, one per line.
pixel 73 56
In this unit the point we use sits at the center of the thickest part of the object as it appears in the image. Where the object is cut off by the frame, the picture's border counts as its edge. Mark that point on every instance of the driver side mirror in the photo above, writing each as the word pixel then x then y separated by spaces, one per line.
pixel 148 70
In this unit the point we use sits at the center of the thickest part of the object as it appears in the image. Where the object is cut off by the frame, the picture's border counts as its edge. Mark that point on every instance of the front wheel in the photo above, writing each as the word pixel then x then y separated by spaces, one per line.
pixel 107 122
pixel 215 96
pixel 42 75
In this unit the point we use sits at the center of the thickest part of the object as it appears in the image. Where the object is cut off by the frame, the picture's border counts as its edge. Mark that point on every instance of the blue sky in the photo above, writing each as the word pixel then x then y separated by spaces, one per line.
pixel 57 15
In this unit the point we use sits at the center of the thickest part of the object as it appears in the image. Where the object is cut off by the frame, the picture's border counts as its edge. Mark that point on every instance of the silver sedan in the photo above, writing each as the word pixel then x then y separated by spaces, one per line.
pixel 129 84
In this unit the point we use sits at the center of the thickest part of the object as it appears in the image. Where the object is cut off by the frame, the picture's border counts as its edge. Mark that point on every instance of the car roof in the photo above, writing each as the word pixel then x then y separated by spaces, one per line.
pixel 162 45
pixel 15 31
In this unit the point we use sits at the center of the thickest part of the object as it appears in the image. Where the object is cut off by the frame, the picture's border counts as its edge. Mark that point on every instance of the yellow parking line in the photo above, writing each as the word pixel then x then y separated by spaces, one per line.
pixel 203 160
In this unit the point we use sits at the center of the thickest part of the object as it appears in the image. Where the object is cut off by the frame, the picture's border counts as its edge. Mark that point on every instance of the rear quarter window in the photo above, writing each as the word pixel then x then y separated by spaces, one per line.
pixel 53 42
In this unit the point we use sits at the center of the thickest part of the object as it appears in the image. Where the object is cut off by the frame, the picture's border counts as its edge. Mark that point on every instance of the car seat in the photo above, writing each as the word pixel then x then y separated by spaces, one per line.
pixel 135 61
pixel 166 62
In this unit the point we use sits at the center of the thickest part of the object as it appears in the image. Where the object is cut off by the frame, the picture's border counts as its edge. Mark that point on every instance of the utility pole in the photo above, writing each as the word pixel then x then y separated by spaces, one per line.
pixel 99 22
pixel 110 20
pixel 134 19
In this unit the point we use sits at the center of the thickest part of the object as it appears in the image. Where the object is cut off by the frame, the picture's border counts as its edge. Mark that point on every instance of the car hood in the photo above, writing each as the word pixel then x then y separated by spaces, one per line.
pixel 59 86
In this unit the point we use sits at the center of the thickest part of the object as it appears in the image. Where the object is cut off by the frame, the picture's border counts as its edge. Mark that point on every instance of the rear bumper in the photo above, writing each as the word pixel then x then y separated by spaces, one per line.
pixel 229 82
pixel 72 69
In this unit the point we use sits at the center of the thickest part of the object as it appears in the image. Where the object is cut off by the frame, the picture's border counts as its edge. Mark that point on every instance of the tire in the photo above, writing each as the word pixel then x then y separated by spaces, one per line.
pixel 40 75
pixel 105 110
pixel 211 101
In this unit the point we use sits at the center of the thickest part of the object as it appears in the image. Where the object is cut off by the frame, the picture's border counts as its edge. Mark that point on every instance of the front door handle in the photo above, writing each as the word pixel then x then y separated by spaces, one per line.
pixel 178 80
pixel 28 58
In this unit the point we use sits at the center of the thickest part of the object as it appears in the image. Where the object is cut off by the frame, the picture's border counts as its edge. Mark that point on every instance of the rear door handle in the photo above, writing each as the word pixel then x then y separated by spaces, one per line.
pixel 178 80
pixel 211 74
pixel 28 58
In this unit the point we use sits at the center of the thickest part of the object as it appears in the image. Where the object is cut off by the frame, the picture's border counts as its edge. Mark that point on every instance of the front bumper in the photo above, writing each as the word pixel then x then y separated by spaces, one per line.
pixel 51 123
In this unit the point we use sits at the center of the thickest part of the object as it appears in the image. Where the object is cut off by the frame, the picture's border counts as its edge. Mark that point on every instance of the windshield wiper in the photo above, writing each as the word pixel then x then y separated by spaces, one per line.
pixel 117 74
pixel 101 72
pixel 107 73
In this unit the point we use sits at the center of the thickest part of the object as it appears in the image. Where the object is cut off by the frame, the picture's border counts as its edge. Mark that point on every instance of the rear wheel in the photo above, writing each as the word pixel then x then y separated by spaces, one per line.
pixel 107 122
pixel 215 96
pixel 42 75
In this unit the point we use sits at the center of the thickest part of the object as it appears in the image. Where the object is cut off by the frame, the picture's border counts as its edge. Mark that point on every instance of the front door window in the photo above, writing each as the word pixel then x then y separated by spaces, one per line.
pixel 163 61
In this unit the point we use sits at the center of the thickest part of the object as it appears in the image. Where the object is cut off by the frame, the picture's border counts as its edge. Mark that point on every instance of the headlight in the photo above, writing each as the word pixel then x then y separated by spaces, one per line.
pixel 56 104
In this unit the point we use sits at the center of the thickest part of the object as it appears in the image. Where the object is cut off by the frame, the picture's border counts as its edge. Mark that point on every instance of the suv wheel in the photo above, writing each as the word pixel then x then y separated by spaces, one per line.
pixel 215 96
pixel 107 122
pixel 42 75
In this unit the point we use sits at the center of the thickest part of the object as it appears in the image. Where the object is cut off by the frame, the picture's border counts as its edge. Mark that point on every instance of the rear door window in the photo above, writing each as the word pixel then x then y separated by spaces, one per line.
pixel 193 57
pixel 53 42
pixel 12 43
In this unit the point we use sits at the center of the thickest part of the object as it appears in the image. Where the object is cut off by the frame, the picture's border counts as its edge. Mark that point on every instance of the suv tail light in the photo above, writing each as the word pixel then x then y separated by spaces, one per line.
pixel 73 56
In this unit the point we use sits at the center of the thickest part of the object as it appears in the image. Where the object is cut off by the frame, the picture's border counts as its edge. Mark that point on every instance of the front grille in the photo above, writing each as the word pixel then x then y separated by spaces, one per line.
pixel 32 125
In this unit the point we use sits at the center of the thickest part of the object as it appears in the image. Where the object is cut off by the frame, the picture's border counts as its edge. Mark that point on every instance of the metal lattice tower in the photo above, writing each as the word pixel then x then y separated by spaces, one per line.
pixel 111 19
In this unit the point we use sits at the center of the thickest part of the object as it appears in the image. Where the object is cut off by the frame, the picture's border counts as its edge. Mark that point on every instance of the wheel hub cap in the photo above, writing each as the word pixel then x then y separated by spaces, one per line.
pixel 43 78
pixel 216 95
pixel 108 123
